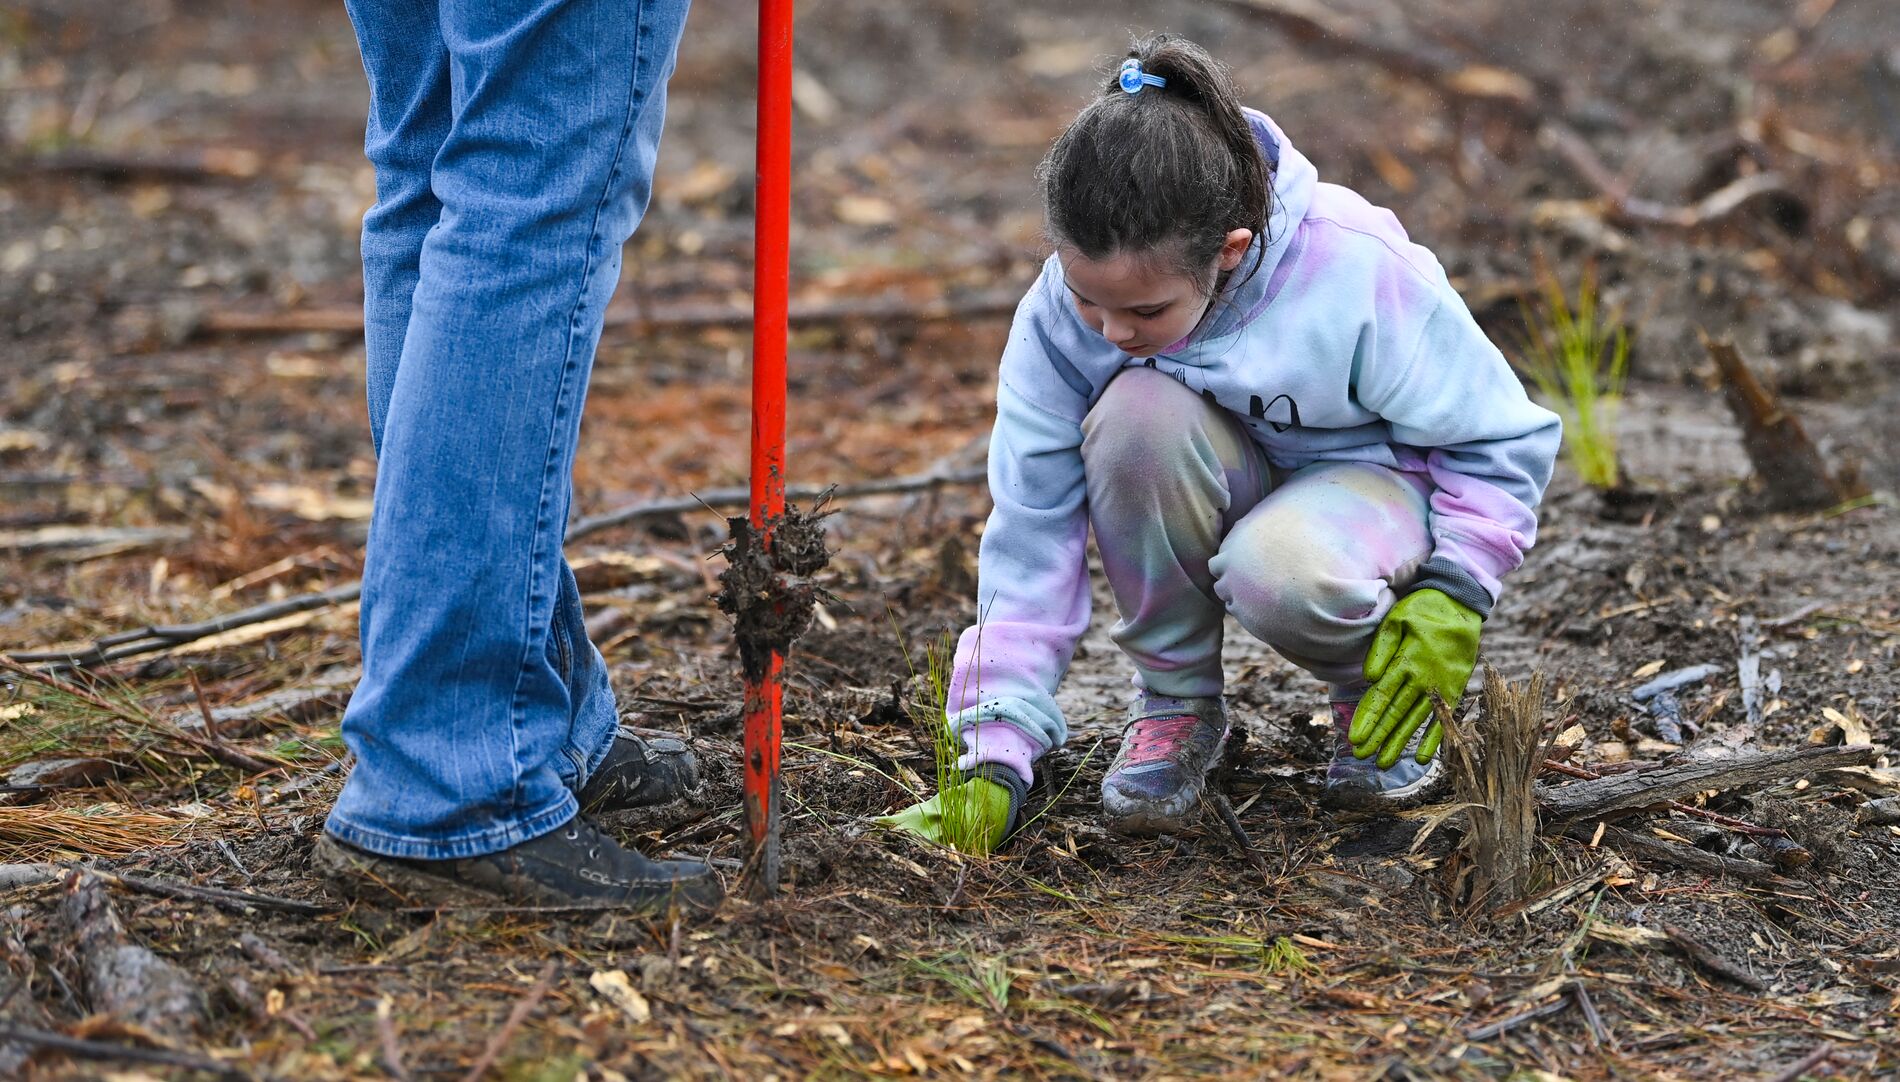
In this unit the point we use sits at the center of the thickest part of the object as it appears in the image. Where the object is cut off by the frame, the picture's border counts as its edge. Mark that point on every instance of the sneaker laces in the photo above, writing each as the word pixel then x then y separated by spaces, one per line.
pixel 1150 739
pixel 581 831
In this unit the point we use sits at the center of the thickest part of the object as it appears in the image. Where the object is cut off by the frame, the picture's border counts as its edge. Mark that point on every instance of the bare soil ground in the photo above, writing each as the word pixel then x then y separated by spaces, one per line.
pixel 171 171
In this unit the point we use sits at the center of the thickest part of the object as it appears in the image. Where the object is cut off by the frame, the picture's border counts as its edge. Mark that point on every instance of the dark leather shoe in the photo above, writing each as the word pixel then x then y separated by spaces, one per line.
pixel 639 773
pixel 577 866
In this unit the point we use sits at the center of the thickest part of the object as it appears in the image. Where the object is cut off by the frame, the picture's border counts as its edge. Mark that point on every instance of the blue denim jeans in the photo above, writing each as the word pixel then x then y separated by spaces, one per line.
pixel 513 146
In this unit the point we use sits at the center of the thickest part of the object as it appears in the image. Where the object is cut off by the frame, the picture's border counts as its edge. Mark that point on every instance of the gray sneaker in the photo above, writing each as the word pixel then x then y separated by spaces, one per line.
pixel 573 866
pixel 1357 783
pixel 1154 785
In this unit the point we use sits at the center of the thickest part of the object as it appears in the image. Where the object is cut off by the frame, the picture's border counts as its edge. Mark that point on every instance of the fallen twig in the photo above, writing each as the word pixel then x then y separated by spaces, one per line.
pixel 1705 957
pixel 515 1017
pixel 386 1037
pixel 635 317
pixel 1748 670
pixel 26 875
pixel 1626 792
pixel 237 901
pixel 51 538
pixel 1792 473
pixel 124 978
pixel 1806 1063
pixel 154 639
pixel 1649 847
pixel 106 1050
pixel 1225 809
pixel 209 746
pixel 1504 1025
pixel 1740 826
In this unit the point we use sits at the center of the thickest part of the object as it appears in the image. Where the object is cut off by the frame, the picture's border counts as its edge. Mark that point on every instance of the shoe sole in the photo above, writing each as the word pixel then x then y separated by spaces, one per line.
pixel 1364 798
pixel 368 878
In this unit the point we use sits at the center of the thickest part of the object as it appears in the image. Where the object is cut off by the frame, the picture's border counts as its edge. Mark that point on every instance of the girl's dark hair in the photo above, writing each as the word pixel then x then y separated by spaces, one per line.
pixel 1165 173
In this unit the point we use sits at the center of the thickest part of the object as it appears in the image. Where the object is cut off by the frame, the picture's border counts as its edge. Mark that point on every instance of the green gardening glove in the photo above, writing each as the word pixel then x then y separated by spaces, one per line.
pixel 973 815
pixel 1427 643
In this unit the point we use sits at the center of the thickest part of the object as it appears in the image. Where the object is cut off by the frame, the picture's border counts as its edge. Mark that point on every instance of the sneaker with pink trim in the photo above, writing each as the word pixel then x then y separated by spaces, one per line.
pixel 1154 785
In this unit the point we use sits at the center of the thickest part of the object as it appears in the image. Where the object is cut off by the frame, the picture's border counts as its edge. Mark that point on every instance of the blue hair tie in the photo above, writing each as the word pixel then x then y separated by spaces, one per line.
pixel 1132 78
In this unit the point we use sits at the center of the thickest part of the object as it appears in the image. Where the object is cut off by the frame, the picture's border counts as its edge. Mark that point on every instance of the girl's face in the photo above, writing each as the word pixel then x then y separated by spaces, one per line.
pixel 1138 304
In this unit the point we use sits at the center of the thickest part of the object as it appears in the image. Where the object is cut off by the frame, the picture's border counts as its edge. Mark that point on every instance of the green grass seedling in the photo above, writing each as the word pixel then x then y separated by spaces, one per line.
pixel 1577 359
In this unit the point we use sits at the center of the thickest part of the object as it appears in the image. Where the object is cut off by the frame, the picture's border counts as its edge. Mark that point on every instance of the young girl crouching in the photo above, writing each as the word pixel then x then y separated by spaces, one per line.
pixel 1265 401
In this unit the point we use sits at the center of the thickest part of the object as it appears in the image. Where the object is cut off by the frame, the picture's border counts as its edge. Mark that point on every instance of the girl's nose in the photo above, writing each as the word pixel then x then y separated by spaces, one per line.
pixel 1117 332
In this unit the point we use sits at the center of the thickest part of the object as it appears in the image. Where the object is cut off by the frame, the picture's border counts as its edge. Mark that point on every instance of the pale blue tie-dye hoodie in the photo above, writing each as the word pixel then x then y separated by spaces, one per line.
pixel 1347 343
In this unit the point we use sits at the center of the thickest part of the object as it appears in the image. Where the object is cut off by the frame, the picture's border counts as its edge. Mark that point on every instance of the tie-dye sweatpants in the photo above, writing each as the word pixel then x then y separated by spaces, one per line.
pixel 1192 523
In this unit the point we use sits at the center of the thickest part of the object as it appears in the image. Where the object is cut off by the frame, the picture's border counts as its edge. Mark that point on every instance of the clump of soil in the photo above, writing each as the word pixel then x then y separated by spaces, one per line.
pixel 766 587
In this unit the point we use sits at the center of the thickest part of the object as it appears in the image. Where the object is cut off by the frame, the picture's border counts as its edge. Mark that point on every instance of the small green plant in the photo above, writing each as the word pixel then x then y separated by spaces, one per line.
pixel 1577 358
pixel 983 981
pixel 965 827
pixel 1285 956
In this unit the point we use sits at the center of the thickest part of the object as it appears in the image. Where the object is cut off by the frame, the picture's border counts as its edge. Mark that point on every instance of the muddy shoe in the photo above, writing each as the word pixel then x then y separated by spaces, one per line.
pixel 639 773
pixel 576 865
pixel 1357 783
pixel 1154 785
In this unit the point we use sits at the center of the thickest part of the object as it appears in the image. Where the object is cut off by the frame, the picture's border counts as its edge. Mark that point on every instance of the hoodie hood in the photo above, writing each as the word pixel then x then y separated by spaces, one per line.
pixel 1294 181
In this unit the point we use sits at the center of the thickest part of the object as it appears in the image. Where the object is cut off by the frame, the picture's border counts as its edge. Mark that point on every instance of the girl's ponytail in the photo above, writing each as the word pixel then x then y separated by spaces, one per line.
pixel 1167 171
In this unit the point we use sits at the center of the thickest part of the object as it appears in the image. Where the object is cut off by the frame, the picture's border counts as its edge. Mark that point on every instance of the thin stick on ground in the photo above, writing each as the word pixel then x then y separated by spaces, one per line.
pixel 386 1037
pixel 106 1050
pixel 506 1033
pixel 158 638
pixel 215 749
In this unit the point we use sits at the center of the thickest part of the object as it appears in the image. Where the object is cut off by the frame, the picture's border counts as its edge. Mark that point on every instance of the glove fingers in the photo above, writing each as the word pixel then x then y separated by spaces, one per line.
pixel 1365 716
pixel 1428 747
pixel 1402 705
pixel 1385 646
pixel 1394 745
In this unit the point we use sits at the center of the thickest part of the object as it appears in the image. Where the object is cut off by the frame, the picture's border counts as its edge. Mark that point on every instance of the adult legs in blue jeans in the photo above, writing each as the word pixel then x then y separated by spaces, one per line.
pixel 514 148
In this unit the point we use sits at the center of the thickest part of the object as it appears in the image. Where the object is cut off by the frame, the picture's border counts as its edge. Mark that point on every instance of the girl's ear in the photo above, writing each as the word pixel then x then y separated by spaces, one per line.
pixel 1234 247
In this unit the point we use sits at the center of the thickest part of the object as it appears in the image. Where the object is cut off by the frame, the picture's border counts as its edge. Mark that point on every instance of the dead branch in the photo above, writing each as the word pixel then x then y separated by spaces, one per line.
pixel 235 901
pixel 1627 792
pixel 1739 826
pixel 1705 957
pixel 121 538
pixel 1809 1062
pixel 523 1007
pixel 125 979
pixel 1225 809
pixel 391 1044
pixel 205 163
pixel 1792 472
pixel 154 639
pixel 106 1050
pixel 633 317
pixel 1658 850
pixel 26 875
pixel 210 747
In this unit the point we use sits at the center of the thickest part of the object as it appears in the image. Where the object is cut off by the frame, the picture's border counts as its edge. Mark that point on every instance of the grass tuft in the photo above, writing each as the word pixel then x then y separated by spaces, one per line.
pixel 1577 358
pixel 964 826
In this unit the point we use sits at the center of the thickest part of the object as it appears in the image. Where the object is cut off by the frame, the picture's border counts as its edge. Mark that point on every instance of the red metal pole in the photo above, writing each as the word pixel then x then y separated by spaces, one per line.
pixel 770 289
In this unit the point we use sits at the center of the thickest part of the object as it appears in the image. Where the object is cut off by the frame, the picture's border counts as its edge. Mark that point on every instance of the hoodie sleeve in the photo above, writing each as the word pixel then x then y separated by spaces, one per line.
pixel 1488 448
pixel 1032 567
